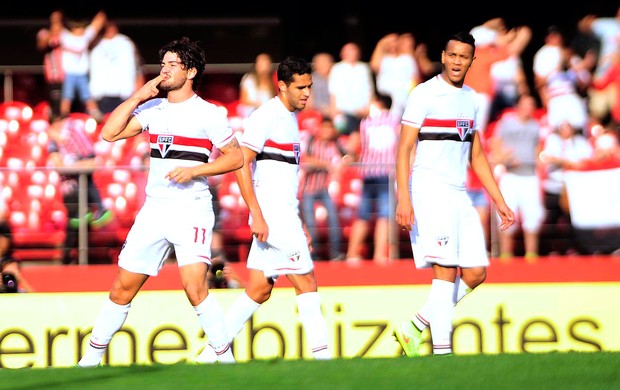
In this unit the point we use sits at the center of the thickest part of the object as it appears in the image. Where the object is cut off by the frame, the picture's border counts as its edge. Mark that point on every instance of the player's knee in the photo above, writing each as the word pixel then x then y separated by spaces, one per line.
pixel 259 295
pixel 473 277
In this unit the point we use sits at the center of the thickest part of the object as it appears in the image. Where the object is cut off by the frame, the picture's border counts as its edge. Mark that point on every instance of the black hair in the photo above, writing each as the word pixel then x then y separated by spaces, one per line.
pixel 385 100
pixel 190 54
pixel 462 36
pixel 291 66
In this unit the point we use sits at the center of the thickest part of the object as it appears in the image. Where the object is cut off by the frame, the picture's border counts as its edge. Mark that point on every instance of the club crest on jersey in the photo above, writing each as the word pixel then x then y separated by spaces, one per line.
pixel 164 142
pixel 294 256
pixel 462 126
pixel 297 152
pixel 442 240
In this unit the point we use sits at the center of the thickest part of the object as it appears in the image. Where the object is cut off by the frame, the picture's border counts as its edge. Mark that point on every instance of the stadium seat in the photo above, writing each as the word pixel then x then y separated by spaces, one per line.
pixel 16 110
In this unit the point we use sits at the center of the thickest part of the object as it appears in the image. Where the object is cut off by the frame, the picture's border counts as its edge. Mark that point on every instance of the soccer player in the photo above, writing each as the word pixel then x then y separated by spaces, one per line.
pixel 178 210
pixel 441 122
pixel 281 244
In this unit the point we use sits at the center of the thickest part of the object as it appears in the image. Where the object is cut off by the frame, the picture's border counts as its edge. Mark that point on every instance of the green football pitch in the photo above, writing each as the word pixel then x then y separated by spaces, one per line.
pixel 589 370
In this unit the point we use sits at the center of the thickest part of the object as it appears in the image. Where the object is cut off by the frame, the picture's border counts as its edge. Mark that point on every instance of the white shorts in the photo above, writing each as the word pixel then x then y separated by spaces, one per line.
pixel 286 250
pixel 187 225
pixel 447 231
pixel 524 197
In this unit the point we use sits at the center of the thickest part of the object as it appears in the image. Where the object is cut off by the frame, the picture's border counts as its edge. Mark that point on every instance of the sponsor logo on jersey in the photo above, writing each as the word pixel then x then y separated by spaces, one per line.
pixel 163 143
pixel 462 126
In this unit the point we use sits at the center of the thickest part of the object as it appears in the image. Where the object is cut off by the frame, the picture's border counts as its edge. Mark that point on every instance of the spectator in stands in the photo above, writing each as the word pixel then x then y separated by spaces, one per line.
pixel 71 148
pixel 48 42
pixel 607 30
pixel 510 82
pixel 375 144
pixel 319 99
pixel 494 43
pixel 258 85
pixel 75 43
pixel 351 87
pixel 565 88
pixel 114 68
pixel 606 144
pixel 11 279
pixel 514 147
pixel 611 77
pixel 395 67
pixel 547 59
pixel 564 148
pixel 322 159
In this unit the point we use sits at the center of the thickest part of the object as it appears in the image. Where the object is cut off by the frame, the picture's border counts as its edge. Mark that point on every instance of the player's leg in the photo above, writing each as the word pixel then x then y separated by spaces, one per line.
pixel 257 291
pixel 310 314
pixel 112 315
pixel 440 298
pixel 208 310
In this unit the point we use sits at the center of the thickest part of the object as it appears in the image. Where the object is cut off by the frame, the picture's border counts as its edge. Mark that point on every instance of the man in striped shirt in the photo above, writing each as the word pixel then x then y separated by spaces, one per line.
pixel 376 142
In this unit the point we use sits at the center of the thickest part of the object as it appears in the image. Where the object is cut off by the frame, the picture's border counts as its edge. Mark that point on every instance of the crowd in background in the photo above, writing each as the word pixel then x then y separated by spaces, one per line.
pixel 566 117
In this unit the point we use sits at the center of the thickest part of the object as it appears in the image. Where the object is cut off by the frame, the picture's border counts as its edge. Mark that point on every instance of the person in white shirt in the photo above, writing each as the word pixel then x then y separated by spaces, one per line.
pixel 178 212
pixel 351 88
pixel 441 121
pixel 75 43
pixel 114 68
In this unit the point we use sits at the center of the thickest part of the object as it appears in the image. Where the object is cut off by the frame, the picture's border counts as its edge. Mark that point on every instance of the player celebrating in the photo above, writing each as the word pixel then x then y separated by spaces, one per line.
pixel 178 209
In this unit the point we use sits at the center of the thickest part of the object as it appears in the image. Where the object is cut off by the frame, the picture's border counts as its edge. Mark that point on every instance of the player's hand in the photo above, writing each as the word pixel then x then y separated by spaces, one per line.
pixel 259 229
pixel 507 217
pixel 149 89
pixel 404 215
pixel 180 174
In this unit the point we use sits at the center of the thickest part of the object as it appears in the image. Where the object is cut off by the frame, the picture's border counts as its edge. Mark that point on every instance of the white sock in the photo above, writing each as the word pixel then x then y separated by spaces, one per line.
pixel 313 321
pixel 239 313
pixel 460 290
pixel 211 319
pixel 110 319
pixel 442 315
pixel 421 319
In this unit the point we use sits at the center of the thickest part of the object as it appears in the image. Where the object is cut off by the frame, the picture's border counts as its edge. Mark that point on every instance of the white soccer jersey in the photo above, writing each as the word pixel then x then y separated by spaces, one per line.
pixel 447 118
pixel 181 134
pixel 447 229
pixel 273 133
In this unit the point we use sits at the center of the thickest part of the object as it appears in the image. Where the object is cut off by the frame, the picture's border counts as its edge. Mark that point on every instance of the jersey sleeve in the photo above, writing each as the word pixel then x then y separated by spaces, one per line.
pixel 222 132
pixel 256 130
pixel 416 109
pixel 143 112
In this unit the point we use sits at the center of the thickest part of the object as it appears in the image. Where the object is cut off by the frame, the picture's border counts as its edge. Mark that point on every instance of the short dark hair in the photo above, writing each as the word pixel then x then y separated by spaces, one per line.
pixel 462 36
pixel 191 55
pixel 386 100
pixel 290 66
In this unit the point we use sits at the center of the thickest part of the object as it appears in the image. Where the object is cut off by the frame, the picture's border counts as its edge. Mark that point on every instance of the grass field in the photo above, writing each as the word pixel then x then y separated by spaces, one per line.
pixel 592 370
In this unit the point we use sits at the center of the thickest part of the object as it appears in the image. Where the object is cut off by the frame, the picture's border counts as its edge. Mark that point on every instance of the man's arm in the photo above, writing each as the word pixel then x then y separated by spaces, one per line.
pixel 121 124
pixel 404 159
pixel 259 227
pixel 230 159
pixel 482 169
